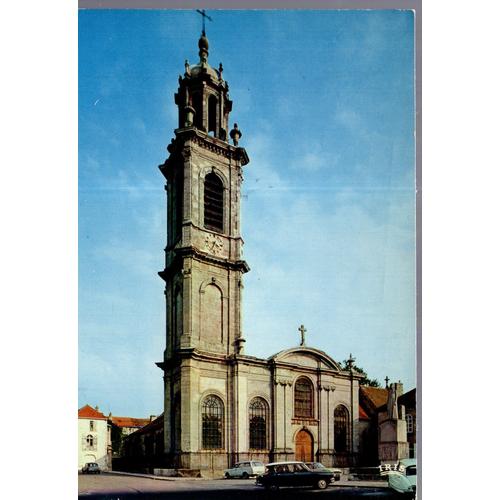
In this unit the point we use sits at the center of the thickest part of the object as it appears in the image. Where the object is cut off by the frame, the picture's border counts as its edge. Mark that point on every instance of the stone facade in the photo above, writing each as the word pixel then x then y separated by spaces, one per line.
pixel 221 405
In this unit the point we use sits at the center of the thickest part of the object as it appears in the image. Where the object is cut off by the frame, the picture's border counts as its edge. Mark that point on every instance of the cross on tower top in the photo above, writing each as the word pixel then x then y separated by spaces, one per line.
pixel 302 331
pixel 386 382
pixel 203 16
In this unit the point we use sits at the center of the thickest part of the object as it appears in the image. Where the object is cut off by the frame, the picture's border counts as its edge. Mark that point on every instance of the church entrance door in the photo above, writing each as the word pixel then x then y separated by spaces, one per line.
pixel 304 446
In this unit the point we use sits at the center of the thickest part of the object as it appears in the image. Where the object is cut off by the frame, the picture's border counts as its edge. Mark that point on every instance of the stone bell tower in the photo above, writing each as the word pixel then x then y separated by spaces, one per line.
pixel 203 267
pixel 203 257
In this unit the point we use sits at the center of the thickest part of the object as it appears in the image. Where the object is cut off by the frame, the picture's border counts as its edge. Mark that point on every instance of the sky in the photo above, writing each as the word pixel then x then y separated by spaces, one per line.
pixel 325 102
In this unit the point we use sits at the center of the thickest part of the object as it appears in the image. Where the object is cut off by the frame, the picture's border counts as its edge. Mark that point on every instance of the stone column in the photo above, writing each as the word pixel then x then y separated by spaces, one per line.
pixel 325 451
pixel 167 414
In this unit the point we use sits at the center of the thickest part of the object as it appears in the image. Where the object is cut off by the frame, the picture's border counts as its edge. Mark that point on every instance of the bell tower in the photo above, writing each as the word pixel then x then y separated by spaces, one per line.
pixel 203 263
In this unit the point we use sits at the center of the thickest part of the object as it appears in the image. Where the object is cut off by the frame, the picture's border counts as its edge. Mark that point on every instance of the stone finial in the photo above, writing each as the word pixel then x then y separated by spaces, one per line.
pixel 203 46
pixel 187 69
pixel 221 69
pixel 235 134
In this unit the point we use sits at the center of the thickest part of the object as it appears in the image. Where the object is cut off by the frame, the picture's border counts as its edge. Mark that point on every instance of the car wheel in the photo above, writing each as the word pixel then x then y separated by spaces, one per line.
pixel 244 475
pixel 272 487
pixel 321 484
pixel 226 475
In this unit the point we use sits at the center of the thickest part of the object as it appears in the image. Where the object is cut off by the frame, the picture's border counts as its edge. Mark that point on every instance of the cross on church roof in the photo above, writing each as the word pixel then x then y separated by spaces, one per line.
pixel 386 382
pixel 203 16
pixel 302 331
pixel 350 362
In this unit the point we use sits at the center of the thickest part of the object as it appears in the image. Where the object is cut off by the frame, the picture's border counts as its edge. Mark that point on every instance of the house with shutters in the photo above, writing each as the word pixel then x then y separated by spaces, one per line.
pixel 94 438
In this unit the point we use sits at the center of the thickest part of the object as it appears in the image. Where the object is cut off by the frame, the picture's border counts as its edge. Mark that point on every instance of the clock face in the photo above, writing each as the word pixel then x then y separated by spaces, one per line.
pixel 214 244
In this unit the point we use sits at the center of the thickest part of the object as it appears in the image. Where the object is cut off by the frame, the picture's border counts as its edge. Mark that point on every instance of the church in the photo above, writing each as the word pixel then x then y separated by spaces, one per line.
pixel 222 405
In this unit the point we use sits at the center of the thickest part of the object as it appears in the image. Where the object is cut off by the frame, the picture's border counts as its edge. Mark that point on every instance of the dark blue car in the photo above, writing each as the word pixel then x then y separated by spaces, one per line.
pixel 280 474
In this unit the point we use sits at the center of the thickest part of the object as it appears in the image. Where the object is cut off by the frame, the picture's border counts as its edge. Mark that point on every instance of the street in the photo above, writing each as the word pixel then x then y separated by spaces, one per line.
pixel 110 486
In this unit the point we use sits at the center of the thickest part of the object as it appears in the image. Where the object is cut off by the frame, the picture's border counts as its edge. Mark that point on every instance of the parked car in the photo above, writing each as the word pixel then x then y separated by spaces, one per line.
pixel 91 468
pixel 280 474
pixel 245 469
pixel 410 470
pixel 319 466
pixel 404 478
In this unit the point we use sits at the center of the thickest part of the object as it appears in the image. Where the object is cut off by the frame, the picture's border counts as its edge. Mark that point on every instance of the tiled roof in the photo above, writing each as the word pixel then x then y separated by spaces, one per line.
pixel 375 396
pixel 129 421
pixel 362 414
pixel 88 412
pixel 156 424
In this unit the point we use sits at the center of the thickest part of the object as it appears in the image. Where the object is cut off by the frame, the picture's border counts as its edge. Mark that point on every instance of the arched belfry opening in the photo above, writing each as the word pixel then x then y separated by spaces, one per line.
pixel 212 115
pixel 214 203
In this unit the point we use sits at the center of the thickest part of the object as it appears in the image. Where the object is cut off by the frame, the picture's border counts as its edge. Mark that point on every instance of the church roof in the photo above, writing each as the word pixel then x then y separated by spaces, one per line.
pixel 372 397
pixel 88 412
pixel 129 421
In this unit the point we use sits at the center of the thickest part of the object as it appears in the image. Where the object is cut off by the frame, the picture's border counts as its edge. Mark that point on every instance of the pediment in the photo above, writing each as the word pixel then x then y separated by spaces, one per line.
pixel 307 356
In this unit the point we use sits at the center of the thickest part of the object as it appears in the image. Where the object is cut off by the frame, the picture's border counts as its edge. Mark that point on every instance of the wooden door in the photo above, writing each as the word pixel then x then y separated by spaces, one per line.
pixel 304 446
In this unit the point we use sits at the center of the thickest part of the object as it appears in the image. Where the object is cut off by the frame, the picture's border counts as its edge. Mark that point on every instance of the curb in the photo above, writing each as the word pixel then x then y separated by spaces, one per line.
pixel 151 476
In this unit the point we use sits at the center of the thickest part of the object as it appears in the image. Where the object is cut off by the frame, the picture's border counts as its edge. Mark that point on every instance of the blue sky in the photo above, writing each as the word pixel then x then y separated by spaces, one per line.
pixel 325 101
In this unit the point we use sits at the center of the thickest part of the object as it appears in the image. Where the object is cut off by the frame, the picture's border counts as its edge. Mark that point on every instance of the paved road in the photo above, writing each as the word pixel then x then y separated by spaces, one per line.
pixel 109 486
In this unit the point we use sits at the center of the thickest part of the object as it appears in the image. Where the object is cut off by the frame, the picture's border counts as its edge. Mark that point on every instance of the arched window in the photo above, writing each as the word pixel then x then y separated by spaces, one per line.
pixel 91 441
pixel 303 398
pixel 214 203
pixel 257 424
pixel 212 415
pixel 212 114
pixel 341 429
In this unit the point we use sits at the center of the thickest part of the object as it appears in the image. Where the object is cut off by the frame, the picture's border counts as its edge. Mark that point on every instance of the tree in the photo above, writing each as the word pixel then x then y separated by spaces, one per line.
pixel 365 380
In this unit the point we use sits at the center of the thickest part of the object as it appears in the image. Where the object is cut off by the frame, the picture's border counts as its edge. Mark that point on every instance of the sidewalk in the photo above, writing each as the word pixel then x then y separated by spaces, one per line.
pixel 343 482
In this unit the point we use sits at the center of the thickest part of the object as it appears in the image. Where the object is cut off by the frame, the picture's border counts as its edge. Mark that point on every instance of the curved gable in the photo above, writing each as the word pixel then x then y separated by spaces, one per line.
pixel 306 356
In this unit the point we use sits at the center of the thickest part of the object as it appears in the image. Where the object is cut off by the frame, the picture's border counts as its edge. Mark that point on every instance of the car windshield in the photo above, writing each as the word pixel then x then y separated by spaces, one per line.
pixel 257 464
pixel 411 470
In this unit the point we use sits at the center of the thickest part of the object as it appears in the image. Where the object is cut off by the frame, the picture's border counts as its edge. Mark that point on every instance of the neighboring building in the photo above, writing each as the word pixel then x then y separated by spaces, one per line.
pixel 94 435
pixel 122 427
pixel 370 400
pixel 146 445
pixel 221 405
pixel 409 401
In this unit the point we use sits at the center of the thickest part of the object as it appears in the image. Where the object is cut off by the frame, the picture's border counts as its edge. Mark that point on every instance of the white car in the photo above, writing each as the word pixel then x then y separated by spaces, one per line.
pixel 245 469
pixel 410 465
pixel 404 479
